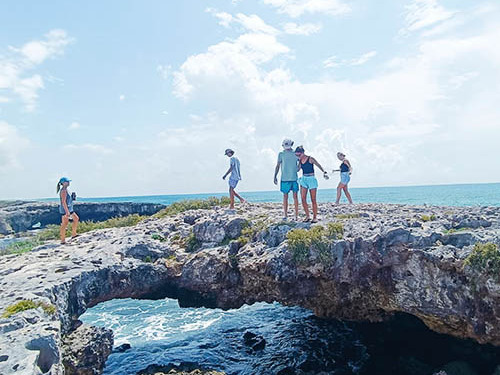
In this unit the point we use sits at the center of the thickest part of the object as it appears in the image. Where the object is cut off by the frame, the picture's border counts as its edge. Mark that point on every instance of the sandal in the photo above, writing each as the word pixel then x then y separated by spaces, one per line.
pixel 306 220
pixel 314 221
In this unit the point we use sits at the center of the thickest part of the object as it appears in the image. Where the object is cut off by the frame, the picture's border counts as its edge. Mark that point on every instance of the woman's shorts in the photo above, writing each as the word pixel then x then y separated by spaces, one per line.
pixel 345 177
pixel 287 186
pixel 233 183
pixel 308 182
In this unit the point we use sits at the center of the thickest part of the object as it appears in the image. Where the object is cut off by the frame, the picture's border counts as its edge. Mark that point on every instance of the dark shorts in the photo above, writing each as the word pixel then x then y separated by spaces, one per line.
pixel 71 213
pixel 287 186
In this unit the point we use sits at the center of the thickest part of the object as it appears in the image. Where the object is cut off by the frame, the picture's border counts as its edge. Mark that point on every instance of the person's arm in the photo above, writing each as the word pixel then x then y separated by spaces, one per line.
pixel 276 170
pixel 64 194
pixel 348 164
pixel 315 162
pixel 228 171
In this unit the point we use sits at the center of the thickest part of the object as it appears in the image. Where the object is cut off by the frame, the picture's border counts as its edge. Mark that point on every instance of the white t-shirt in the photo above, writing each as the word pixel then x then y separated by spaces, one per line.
pixel 235 173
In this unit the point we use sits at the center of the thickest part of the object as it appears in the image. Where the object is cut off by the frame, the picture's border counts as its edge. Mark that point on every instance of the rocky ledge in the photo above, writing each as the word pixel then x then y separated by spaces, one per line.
pixel 363 262
pixel 20 216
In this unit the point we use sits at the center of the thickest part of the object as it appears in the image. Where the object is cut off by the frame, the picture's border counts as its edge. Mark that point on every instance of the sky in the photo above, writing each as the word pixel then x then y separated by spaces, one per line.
pixel 143 97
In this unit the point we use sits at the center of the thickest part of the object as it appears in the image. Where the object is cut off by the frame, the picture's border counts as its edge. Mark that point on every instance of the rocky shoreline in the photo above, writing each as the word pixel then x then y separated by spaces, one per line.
pixel 363 263
pixel 21 216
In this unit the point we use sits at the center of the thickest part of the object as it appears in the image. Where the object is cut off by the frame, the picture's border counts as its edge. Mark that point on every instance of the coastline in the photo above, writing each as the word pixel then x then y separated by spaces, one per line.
pixel 385 259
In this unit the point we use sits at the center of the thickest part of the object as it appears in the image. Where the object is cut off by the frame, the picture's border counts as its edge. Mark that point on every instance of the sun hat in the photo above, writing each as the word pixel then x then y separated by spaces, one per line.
pixel 287 144
pixel 64 179
pixel 228 151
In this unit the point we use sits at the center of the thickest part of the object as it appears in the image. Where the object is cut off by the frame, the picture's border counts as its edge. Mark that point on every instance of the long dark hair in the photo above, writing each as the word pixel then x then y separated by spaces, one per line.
pixel 59 186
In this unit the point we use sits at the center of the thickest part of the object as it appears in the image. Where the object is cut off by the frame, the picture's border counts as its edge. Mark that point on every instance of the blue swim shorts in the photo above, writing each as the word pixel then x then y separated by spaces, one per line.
pixel 345 177
pixel 308 182
pixel 233 183
pixel 287 186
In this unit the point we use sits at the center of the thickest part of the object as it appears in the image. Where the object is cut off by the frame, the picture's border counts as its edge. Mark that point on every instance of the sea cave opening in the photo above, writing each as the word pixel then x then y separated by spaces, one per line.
pixel 269 338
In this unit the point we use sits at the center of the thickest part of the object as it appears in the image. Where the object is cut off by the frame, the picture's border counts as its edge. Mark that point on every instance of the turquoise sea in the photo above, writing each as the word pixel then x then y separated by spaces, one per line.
pixel 439 195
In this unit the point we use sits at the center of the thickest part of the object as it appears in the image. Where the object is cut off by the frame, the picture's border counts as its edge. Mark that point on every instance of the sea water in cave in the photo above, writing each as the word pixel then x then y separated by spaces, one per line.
pixel 274 339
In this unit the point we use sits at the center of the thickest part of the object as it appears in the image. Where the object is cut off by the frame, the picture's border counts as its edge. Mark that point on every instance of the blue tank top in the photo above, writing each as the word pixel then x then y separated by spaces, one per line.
pixel 307 167
pixel 69 203
pixel 344 167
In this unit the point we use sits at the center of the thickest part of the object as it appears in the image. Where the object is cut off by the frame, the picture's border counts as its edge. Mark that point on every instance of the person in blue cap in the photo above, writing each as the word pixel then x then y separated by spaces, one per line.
pixel 66 209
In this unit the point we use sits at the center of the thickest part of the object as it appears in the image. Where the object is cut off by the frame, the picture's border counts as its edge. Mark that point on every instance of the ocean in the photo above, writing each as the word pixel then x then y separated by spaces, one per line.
pixel 160 332
pixel 437 195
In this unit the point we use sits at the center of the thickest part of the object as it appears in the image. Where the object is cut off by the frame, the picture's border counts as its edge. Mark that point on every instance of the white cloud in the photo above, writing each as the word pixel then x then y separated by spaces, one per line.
pixel 304 29
pixel 12 144
pixel 18 62
pixel 39 50
pixel 393 124
pixel 74 125
pixel 296 8
pixel 121 97
pixel 252 23
pixel 333 61
pixel 421 14
pixel 229 62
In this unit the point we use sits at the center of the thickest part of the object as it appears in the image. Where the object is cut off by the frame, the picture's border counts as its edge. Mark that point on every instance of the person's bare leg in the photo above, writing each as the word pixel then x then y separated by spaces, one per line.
pixel 296 204
pixel 314 203
pixel 303 195
pixel 62 231
pixel 285 204
pixel 347 194
pixel 339 191
pixel 74 225
pixel 231 198
pixel 238 196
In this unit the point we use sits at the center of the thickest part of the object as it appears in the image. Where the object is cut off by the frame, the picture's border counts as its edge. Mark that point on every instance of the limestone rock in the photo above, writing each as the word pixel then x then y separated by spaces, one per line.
pixel 86 349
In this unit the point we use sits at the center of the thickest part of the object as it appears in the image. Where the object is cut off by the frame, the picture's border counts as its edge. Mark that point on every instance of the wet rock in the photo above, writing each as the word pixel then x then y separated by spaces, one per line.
pixel 255 341
pixel 122 348
pixel 86 349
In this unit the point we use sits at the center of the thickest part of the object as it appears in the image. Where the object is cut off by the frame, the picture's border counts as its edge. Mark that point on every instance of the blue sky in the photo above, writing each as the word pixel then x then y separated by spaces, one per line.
pixel 142 97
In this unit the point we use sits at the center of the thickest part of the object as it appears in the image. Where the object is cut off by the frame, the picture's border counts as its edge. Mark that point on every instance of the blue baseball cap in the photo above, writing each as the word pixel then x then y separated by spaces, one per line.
pixel 64 179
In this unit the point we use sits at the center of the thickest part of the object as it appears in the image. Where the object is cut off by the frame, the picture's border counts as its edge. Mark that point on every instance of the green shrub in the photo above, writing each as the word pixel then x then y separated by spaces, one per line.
pixel 191 243
pixel 147 259
pixel 158 237
pixel 52 232
pixel 428 218
pixel 192 204
pixel 27 304
pixel 318 238
pixel 485 259
pixel 249 231
pixel 21 246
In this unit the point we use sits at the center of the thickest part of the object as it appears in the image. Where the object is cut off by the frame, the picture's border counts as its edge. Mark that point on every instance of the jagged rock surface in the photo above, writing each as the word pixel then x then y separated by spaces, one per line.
pixel 390 259
pixel 20 216
pixel 84 350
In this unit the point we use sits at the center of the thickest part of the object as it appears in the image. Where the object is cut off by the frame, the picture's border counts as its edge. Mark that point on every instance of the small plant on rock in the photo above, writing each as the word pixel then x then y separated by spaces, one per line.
pixel 191 243
pixel 485 259
pixel 426 218
pixel 27 304
pixel 302 241
pixel 192 204
pixel 158 237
